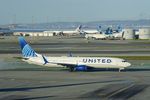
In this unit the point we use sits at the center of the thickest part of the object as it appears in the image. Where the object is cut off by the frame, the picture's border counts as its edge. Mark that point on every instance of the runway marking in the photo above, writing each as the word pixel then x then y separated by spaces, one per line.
pixel 116 91
pixel 120 90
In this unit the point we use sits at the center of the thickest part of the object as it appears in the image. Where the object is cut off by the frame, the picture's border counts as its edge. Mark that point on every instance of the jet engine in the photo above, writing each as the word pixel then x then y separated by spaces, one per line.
pixel 81 68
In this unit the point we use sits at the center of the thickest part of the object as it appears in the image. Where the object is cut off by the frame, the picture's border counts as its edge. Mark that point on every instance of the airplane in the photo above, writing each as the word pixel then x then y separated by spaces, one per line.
pixel 107 34
pixel 118 33
pixel 92 31
pixel 114 34
pixel 76 31
pixel 71 62
pixel 101 36
pixel 94 34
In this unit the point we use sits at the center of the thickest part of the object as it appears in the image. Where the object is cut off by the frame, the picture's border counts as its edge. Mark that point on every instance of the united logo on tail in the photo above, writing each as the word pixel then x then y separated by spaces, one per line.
pixel 27 51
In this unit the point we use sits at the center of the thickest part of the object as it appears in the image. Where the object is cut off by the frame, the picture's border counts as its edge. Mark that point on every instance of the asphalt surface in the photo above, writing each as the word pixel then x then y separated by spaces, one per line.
pixel 23 81
pixel 78 46
pixel 62 85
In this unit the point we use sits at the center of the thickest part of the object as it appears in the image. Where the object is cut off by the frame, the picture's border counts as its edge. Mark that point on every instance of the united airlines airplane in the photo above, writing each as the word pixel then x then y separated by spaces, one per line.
pixel 92 31
pixel 73 63
pixel 76 31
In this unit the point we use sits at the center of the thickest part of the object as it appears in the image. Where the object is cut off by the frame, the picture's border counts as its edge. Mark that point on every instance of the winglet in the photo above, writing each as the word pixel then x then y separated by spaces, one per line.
pixel 70 54
pixel 45 60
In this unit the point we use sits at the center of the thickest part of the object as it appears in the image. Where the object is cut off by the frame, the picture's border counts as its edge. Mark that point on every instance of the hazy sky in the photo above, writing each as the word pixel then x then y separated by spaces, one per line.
pixel 37 11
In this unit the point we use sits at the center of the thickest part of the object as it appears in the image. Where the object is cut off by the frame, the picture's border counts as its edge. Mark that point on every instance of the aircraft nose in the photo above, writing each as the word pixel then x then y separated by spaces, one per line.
pixel 128 64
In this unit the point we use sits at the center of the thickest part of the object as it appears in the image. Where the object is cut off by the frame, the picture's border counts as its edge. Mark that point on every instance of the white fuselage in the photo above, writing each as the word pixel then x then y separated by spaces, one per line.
pixel 117 35
pixel 91 31
pixel 95 62
pixel 70 32
pixel 96 36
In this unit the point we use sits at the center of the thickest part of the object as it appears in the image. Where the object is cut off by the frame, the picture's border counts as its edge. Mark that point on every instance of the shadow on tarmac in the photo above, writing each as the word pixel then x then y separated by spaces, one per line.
pixel 116 91
pixel 23 97
pixel 54 86
pixel 116 70
pixel 67 70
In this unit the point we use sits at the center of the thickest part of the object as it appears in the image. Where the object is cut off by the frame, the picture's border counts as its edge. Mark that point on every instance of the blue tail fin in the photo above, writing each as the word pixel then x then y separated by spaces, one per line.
pixel 99 29
pixel 27 51
pixel 119 29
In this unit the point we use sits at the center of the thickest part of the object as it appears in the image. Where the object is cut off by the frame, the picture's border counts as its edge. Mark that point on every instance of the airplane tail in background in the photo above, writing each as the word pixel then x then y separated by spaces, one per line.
pixel 27 51
pixel 122 35
pixel 119 29
pixel 78 29
pixel 99 29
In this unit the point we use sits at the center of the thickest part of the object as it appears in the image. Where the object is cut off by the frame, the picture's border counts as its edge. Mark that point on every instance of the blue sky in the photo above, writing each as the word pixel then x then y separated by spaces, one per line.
pixel 38 11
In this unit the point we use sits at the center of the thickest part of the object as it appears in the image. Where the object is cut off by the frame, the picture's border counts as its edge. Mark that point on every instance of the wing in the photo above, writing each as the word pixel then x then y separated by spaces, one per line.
pixel 71 65
pixel 75 67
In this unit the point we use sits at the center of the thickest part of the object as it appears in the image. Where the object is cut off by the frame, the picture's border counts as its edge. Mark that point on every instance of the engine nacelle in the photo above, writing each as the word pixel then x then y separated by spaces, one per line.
pixel 81 68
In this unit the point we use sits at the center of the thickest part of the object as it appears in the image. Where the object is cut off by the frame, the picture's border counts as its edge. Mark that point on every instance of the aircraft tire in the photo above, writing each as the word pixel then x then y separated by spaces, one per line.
pixel 71 69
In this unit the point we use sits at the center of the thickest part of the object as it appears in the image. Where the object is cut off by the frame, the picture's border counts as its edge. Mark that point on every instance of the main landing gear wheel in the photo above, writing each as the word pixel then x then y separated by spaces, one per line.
pixel 71 69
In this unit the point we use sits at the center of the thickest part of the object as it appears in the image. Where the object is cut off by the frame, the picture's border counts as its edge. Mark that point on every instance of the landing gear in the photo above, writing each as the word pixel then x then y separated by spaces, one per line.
pixel 71 69
pixel 121 69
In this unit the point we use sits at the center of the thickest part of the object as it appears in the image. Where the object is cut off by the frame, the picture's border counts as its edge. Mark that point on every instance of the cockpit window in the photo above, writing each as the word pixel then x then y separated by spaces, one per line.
pixel 124 61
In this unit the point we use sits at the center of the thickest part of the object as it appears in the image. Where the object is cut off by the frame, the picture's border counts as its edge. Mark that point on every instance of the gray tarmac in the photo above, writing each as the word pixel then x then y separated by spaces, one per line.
pixel 63 85
pixel 20 80
pixel 78 46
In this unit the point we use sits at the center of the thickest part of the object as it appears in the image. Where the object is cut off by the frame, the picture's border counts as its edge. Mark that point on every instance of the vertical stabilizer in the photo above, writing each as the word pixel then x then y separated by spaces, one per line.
pixel 78 29
pixel 27 51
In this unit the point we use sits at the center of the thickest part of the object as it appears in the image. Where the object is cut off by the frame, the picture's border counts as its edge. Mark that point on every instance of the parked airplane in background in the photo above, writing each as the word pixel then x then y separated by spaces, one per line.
pixel 76 31
pixel 92 31
pixel 68 32
pixel 107 34
pixel 118 33
pixel 73 63
pixel 99 36
pixel 94 34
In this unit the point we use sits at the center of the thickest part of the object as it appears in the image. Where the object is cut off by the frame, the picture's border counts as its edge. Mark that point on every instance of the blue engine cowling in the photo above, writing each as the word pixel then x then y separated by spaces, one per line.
pixel 81 68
